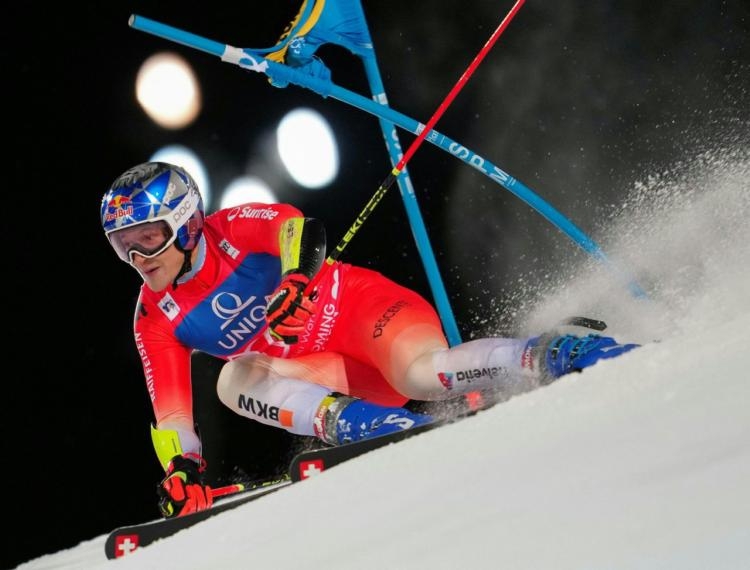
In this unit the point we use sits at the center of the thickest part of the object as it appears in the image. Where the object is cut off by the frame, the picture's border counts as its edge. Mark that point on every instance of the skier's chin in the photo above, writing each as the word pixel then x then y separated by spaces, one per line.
pixel 156 279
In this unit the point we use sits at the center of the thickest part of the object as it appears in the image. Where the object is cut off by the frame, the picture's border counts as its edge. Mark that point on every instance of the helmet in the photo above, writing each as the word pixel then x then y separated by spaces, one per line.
pixel 150 207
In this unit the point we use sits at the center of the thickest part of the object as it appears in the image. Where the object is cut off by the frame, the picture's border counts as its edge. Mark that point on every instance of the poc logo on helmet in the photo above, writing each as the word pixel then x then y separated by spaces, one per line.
pixel 187 206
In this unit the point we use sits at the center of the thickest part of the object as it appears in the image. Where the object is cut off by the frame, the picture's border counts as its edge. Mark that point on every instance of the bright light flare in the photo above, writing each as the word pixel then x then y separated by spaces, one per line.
pixel 307 147
pixel 168 91
pixel 247 189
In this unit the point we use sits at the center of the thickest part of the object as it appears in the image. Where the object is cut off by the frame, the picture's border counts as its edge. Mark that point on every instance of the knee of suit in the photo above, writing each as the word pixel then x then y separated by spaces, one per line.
pixel 421 382
pixel 287 403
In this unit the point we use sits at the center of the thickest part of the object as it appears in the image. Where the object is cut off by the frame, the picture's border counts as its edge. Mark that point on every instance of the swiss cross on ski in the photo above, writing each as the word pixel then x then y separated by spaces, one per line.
pixel 309 469
pixel 126 544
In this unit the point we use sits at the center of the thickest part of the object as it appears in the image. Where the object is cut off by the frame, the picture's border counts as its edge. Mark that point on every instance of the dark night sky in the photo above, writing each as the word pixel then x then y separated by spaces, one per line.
pixel 576 100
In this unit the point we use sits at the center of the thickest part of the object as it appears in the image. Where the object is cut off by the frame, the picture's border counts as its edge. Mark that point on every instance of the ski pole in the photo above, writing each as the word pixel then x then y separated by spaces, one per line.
pixel 227 490
pixel 390 179
pixel 234 488
pixel 252 60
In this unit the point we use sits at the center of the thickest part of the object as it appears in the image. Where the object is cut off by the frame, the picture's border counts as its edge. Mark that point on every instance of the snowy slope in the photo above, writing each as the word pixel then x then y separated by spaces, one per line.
pixel 640 462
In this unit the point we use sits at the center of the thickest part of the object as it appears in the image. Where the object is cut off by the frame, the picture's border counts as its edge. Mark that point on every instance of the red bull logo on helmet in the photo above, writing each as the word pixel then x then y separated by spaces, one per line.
pixel 118 207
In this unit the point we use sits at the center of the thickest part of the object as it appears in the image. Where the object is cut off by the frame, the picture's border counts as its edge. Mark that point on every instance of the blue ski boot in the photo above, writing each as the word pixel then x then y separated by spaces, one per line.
pixel 557 355
pixel 344 419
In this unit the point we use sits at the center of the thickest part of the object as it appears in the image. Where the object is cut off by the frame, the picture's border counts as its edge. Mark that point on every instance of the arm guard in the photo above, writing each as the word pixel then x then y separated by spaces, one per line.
pixel 171 442
pixel 302 243
pixel 166 444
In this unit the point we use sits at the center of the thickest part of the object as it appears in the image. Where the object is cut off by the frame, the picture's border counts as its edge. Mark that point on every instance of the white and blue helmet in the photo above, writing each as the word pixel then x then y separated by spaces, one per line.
pixel 149 200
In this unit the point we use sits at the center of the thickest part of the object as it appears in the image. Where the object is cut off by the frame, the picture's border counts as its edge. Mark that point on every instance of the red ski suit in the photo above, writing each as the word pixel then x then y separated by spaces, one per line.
pixel 219 309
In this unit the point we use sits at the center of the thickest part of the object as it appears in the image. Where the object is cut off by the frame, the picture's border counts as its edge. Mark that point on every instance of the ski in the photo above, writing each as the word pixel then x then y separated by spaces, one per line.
pixel 125 540
pixel 309 463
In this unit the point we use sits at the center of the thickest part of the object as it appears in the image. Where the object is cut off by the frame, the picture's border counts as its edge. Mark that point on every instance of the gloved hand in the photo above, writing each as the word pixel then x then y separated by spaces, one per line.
pixel 183 491
pixel 288 310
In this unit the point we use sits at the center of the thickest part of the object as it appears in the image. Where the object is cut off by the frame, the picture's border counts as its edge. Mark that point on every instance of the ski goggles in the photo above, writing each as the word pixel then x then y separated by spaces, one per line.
pixel 147 239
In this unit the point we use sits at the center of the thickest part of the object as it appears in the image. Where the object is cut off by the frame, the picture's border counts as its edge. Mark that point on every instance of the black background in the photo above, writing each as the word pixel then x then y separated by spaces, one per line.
pixel 578 101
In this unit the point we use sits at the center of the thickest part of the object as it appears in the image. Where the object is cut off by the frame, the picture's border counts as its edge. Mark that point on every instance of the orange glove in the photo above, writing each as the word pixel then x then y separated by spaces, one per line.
pixel 182 491
pixel 289 308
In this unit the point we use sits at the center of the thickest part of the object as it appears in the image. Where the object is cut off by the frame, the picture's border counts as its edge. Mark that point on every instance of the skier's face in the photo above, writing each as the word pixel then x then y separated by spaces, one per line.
pixel 158 272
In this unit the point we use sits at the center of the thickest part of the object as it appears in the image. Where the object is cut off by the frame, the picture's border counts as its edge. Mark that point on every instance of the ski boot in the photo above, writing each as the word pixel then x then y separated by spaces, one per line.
pixel 343 419
pixel 558 354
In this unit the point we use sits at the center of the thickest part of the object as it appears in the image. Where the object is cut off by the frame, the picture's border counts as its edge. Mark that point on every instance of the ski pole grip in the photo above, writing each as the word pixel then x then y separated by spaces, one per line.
pixel 318 276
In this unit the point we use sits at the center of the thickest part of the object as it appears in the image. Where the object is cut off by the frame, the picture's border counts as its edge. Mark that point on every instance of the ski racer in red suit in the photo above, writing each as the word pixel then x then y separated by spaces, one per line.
pixel 337 363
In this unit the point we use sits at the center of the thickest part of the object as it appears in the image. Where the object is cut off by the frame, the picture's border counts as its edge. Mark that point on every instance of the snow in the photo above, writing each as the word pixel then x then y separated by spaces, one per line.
pixel 639 462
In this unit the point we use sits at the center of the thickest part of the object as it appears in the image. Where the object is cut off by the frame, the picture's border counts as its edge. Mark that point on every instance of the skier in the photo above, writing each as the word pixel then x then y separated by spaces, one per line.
pixel 337 362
